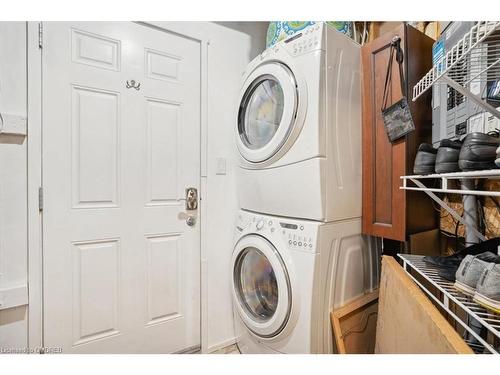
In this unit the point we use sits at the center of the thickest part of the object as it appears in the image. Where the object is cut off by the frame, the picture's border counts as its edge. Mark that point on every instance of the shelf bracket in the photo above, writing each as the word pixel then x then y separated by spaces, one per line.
pixel 476 99
pixel 451 211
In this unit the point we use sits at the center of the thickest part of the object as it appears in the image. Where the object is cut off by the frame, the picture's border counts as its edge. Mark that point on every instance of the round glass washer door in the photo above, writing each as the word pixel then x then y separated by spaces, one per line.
pixel 261 286
pixel 268 106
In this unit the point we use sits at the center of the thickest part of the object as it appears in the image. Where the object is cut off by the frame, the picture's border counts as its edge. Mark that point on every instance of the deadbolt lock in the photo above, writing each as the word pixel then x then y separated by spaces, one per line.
pixel 191 199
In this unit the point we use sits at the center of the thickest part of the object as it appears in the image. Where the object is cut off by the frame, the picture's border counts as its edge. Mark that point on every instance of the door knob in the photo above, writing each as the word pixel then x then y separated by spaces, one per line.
pixel 191 221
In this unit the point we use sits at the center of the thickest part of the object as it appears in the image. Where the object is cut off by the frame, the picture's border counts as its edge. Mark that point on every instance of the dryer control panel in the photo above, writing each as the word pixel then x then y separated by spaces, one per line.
pixel 296 234
pixel 307 40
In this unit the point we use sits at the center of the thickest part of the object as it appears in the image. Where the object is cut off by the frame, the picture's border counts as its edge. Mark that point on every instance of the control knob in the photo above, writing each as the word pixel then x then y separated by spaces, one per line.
pixel 260 224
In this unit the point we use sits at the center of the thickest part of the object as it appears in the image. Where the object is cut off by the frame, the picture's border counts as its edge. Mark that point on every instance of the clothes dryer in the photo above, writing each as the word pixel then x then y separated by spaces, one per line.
pixel 299 128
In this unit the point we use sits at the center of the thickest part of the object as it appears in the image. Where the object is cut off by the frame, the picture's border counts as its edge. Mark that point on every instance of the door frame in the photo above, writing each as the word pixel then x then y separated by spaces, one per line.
pixel 35 181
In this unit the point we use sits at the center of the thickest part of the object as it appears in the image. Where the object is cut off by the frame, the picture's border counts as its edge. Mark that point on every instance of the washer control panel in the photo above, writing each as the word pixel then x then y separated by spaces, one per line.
pixel 298 239
pixel 296 234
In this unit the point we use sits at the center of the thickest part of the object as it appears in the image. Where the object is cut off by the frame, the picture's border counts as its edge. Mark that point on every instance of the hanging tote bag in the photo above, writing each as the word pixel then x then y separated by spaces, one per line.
pixel 397 118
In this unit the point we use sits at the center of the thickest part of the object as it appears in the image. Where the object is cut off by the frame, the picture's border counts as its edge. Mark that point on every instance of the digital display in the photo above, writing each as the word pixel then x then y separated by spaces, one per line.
pixel 293 38
pixel 288 226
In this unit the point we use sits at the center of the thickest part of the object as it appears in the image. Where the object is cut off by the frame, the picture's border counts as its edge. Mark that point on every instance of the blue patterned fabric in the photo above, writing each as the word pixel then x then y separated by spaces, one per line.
pixel 279 30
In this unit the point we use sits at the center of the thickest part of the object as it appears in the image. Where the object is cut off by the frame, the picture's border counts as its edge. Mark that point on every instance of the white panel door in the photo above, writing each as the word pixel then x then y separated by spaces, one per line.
pixel 121 265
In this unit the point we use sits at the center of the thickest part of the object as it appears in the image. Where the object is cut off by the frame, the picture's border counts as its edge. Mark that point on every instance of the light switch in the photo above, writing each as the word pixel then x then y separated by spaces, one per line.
pixel 220 166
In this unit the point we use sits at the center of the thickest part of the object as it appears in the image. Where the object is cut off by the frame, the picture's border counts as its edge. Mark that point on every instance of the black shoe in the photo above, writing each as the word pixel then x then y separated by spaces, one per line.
pixel 448 273
pixel 490 245
pixel 425 159
pixel 447 156
pixel 478 152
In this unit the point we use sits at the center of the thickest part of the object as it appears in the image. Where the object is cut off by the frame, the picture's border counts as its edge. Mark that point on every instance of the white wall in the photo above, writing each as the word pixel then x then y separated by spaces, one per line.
pixel 13 183
pixel 232 45
pixel 229 53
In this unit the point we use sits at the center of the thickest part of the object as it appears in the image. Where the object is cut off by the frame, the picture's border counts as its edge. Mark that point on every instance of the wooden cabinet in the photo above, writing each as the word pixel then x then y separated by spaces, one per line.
pixel 388 211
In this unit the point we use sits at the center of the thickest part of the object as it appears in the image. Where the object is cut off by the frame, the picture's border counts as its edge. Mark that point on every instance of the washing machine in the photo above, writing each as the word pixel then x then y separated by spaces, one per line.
pixel 288 274
pixel 299 128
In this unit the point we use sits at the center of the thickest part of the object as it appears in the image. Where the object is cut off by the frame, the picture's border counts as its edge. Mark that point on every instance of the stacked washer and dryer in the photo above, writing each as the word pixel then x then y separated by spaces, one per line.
pixel 299 252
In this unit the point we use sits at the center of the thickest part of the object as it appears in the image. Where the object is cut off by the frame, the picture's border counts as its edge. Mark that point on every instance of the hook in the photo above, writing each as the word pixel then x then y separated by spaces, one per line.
pixel 133 84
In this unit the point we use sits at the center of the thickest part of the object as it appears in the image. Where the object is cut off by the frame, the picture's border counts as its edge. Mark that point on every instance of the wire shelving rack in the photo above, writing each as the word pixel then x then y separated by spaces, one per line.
pixel 469 65
pixel 460 307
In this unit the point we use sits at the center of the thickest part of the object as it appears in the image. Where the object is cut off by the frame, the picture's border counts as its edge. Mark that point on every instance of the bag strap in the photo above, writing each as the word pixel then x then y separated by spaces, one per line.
pixel 388 75
pixel 399 59
pixel 395 47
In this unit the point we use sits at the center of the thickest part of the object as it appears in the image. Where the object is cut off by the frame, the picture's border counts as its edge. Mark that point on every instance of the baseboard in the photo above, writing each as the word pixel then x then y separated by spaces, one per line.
pixel 223 344
pixel 191 350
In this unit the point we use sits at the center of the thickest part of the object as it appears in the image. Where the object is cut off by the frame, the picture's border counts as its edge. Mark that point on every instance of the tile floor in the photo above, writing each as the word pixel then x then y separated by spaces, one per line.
pixel 231 349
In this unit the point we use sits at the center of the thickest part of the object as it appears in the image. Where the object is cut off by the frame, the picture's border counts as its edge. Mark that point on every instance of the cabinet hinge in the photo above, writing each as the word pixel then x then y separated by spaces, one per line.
pixel 40 198
pixel 40 35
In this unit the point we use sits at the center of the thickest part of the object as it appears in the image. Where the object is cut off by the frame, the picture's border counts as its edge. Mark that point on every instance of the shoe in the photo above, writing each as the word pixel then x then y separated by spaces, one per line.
pixel 478 152
pixel 445 261
pixel 468 274
pixel 425 159
pixel 449 272
pixel 447 156
pixel 454 260
pixel 497 160
pixel 488 288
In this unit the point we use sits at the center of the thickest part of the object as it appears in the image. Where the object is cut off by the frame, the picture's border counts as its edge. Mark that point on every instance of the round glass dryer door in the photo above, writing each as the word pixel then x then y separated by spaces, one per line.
pixel 262 112
pixel 268 106
pixel 261 286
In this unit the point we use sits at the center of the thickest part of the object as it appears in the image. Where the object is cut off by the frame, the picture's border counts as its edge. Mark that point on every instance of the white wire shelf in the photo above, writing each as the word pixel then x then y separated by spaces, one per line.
pixel 460 307
pixel 474 58
pixel 444 177
pixel 442 180
pixel 488 173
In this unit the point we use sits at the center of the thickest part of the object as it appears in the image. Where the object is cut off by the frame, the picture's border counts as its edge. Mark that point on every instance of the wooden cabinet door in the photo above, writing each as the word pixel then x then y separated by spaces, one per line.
pixel 384 206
